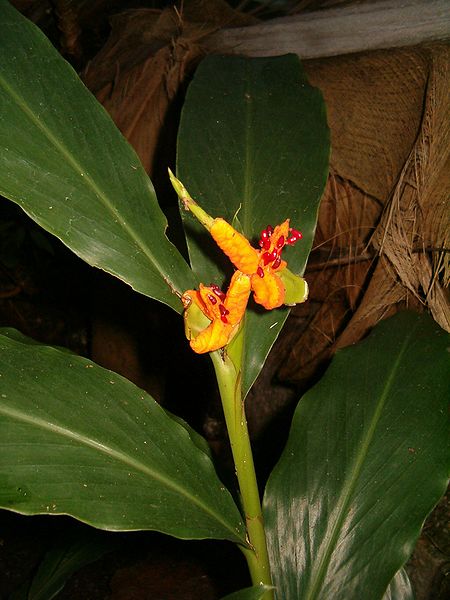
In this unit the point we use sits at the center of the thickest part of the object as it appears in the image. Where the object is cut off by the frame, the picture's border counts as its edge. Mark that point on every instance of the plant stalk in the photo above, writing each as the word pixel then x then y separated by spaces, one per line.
pixel 229 381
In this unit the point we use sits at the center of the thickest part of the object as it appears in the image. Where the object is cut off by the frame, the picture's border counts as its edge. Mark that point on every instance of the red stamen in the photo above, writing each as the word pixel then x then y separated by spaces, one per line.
pixel 276 262
pixel 218 292
pixel 268 257
pixel 212 299
pixel 223 313
pixel 280 242
pixel 295 235
pixel 260 272
pixel 264 240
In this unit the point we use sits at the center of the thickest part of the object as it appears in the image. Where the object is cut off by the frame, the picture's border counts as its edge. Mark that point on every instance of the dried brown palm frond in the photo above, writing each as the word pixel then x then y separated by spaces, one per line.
pixel 389 185
pixel 148 58
pixel 414 232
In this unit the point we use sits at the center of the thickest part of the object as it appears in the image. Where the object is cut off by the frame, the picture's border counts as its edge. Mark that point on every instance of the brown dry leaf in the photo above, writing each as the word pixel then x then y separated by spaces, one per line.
pixel 374 103
pixel 387 194
pixel 337 275
pixel 139 72
pixel 165 577
pixel 414 232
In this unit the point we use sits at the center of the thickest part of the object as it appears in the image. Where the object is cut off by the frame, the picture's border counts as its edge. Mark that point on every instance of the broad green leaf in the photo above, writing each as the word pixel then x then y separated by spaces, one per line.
pixel 65 163
pixel 366 460
pixel 400 587
pixel 254 593
pixel 17 336
pixel 78 439
pixel 253 148
pixel 196 438
pixel 67 556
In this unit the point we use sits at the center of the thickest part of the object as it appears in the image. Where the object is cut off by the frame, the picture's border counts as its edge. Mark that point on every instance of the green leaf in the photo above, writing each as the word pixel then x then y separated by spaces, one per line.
pixel 400 587
pixel 253 593
pixel 253 148
pixel 65 163
pixel 67 556
pixel 366 461
pixel 80 440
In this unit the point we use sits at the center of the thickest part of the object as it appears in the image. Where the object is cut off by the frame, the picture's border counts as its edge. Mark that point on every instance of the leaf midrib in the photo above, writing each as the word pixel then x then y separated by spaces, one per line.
pixel 116 455
pixel 347 491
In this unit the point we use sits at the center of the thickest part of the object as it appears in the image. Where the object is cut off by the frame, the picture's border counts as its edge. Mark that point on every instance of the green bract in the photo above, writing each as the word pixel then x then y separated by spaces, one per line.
pixel 296 287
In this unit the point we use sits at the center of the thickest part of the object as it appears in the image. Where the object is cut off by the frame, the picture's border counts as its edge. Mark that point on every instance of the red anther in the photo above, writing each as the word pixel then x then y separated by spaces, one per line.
pixel 223 313
pixel 268 257
pixel 295 235
pixel 276 262
pixel 260 272
pixel 269 230
pixel 212 299
pixel 218 292
pixel 264 240
pixel 280 242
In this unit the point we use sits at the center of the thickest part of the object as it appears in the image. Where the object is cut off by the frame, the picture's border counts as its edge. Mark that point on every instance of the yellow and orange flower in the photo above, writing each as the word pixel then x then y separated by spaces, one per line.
pixel 264 265
pixel 212 318
pixel 224 311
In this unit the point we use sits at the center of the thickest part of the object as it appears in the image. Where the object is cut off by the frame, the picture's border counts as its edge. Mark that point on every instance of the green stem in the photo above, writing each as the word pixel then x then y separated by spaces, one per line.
pixel 229 381
pixel 189 203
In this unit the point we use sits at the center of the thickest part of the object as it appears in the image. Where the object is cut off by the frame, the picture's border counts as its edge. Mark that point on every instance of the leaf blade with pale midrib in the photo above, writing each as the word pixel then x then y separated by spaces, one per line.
pixel 78 439
pixel 65 163
pixel 366 460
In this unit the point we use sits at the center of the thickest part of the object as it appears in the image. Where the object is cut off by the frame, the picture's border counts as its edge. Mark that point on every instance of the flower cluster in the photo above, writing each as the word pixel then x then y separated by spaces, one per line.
pixel 263 265
pixel 212 317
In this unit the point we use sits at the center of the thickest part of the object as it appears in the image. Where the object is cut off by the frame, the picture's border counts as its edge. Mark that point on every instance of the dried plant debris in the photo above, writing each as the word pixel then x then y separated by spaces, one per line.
pixel 145 64
pixel 382 240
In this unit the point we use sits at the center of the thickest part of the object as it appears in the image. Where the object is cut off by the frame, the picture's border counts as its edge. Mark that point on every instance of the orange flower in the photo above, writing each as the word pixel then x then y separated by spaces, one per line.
pixel 224 311
pixel 264 265
pixel 212 318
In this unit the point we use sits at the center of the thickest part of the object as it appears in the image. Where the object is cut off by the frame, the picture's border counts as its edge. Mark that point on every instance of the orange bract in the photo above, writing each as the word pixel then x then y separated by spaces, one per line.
pixel 237 247
pixel 268 290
